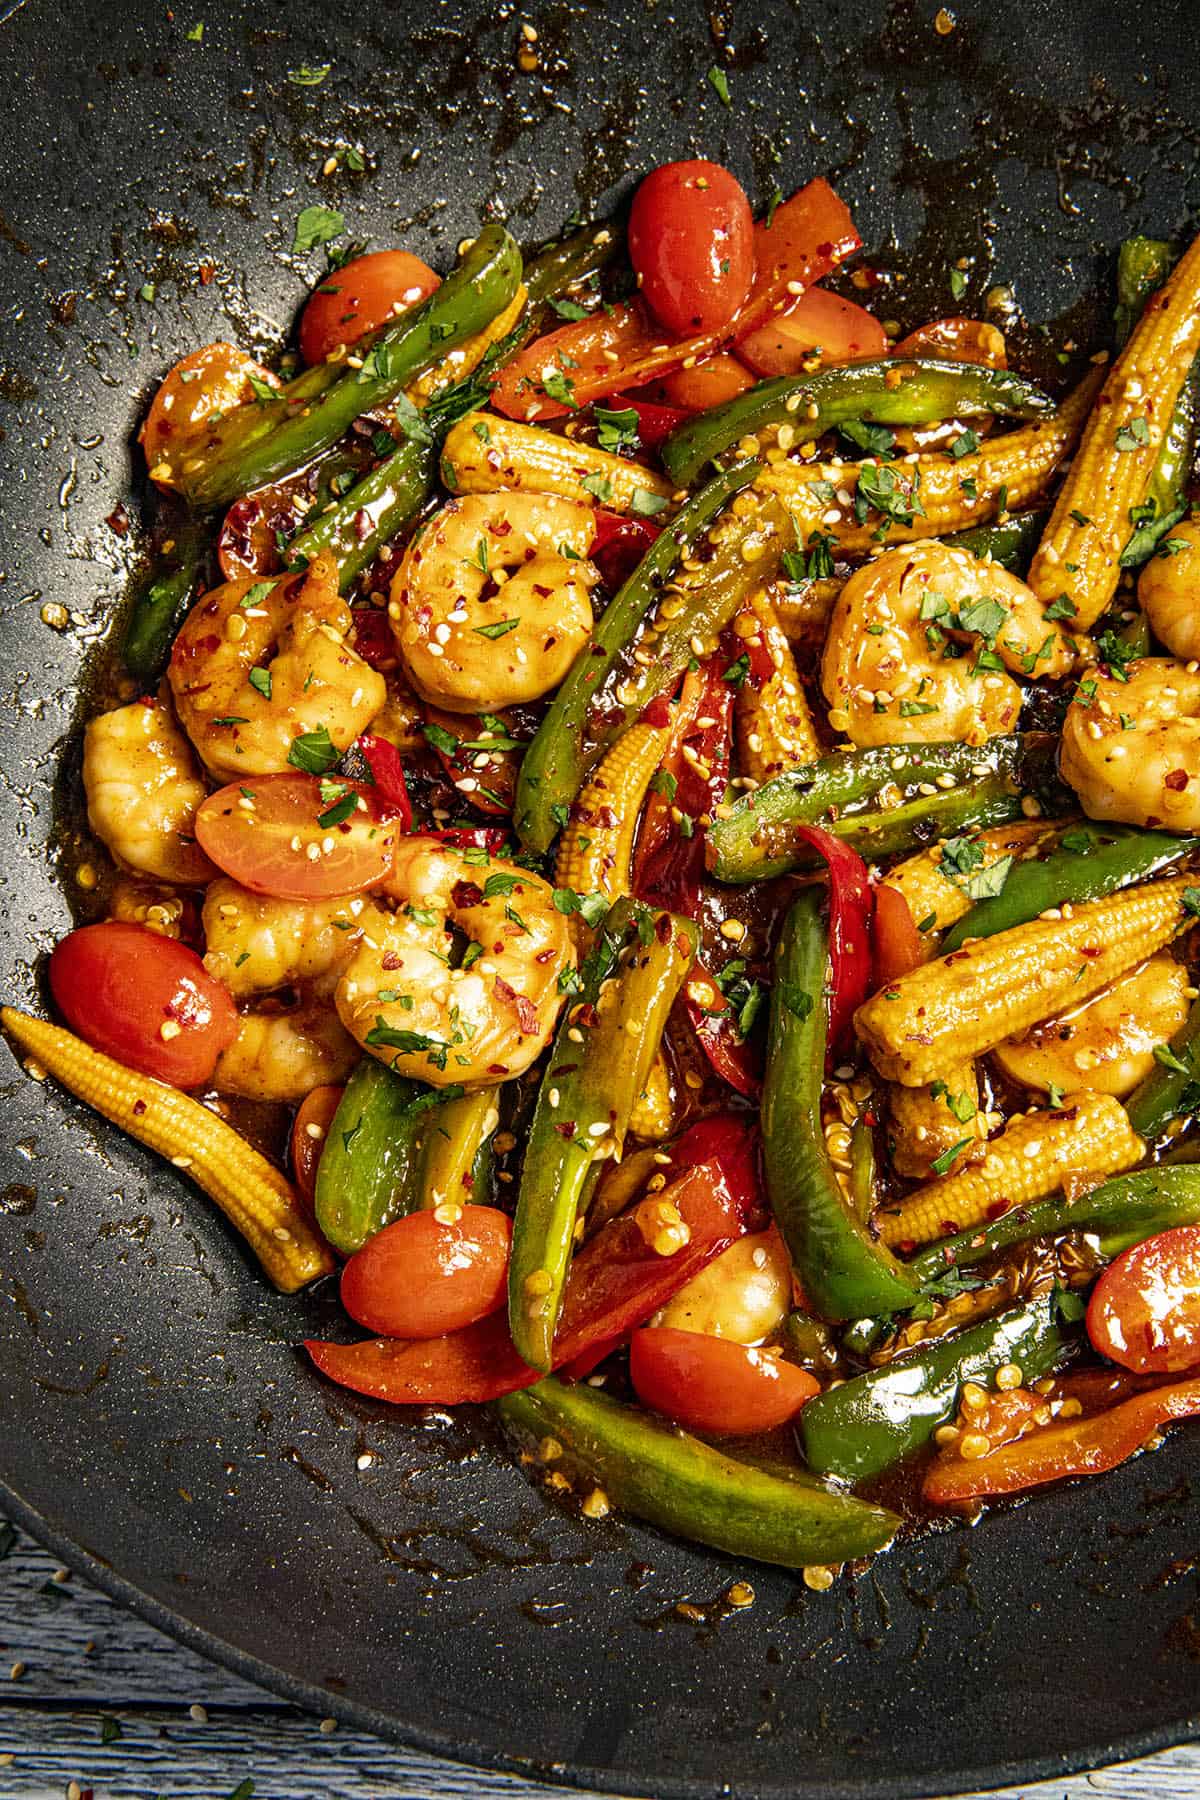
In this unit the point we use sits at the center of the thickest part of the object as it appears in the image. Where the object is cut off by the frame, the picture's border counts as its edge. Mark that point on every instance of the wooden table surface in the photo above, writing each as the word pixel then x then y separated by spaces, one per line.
pixel 99 1701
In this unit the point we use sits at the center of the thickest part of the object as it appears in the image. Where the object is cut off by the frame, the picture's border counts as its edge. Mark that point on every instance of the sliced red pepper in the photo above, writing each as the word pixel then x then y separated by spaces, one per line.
pixel 387 772
pixel 655 423
pixel 669 866
pixel 849 933
pixel 615 1283
pixel 472 837
pixel 731 1140
pixel 1079 1446
pixel 895 941
pixel 619 545
pixel 733 1057
pixel 809 235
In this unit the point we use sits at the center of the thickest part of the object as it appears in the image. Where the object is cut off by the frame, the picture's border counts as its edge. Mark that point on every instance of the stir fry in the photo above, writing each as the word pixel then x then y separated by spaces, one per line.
pixel 649 819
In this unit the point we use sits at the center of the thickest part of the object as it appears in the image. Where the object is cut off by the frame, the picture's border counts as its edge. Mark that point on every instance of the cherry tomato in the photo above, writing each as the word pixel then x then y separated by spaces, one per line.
pixel 957 340
pixel 691 241
pixel 261 831
pixel 212 379
pixel 841 330
pixel 1145 1309
pixel 360 297
pixel 247 542
pixel 708 383
pixel 309 1129
pixel 419 1277
pixel 709 1384
pixel 145 1000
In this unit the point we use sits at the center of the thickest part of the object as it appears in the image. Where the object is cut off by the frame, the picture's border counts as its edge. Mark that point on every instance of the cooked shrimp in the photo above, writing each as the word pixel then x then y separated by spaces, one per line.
pixel 743 1295
pixel 491 604
pixel 1108 1043
pixel 283 1053
pixel 477 1024
pixel 257 944
pixel 143 788
pixel 209 380
pixel 1169 590
pixel 258 664
pixel 1131 749
pixel 893 671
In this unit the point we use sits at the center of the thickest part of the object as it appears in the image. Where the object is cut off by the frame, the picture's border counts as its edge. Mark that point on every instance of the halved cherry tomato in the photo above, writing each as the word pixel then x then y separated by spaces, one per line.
pixel 309 1129
pixel 841 330
pixel 361 296
pixel 957 340
pixel 896 946
pixel 710 382
pixel 1144 1312
pixel 144 1000
pixel 261 831
pixel 709 1384
pixel 247 542
pixel 691 242
pixel 421 1277
pixel 214 378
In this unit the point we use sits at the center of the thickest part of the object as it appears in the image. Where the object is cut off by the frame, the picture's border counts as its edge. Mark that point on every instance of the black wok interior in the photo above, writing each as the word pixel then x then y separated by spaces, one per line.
pixel 159 1429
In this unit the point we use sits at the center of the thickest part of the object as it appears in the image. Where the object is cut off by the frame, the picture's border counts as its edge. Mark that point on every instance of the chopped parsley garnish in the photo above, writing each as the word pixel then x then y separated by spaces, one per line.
pixel 260 679
pixel 498 629
pixel 797 1000
pixel 591 908
pixel 316 225
pixel 941 1165
pixel 305 76
pixel 957 282
pixel 315 752
pixel 1134 436
pixel 599 486
pixel 616 429
pixel 559 387
pixel 644 505
pixel 718 81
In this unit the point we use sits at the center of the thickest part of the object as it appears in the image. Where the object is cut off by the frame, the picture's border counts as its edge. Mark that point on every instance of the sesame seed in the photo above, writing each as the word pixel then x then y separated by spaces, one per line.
pixel 364 1461
pixel 198 1714
pixel 327 1727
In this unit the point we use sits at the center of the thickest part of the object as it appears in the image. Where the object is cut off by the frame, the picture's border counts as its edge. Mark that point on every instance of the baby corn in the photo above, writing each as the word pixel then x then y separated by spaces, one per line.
pixel 1080 553
pixel 252 1194
pixel 936 902
pixel 596 849
pixel 460 362
pixel 774 726
pixel 484 454
pixel 1006 473
pixel 803 608
pixel 966 1003
pixel 1091 1135
pixel 926 1124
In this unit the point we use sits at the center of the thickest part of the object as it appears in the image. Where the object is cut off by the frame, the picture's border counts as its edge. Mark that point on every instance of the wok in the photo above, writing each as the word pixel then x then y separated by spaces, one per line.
pixel 160 1431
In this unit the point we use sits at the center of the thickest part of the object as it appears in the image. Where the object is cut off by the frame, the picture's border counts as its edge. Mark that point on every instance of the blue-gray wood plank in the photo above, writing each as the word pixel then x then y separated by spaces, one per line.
pixel 86 1661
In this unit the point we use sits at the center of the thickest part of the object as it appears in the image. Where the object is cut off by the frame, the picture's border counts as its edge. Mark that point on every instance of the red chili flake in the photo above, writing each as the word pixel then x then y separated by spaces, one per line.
pixel 392 960
pixel 362 524
pixel 526 1011
pixel 118 521
pixel 566 1129
pixel 466 893
pixel 207 271
pixel 1177 780
pixel 657 713
pixel 497 1069
pixel 663 928
pixel 996 1210
pixel 139 1107
pixel 501 528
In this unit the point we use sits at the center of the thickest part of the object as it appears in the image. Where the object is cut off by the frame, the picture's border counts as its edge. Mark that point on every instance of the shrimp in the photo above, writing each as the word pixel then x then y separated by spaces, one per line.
pixel 282 1053
pixel 1108 1043
pixel 1169 591
pixel 258 664
pixel 143 789
pixel 491 604
pixel 1131 748
pixel 892 671
pixel 263 948
pixel 480 1023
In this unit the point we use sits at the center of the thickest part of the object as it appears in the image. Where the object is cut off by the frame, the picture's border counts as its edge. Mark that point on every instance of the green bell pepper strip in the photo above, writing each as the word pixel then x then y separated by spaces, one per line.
pixel 688 1488
pixel 861 1428
pixel 375 510
pixel 562 265
pixel 1121 1211
pixel 453 1138
pixel 1091 861
pixel 256 444
pixel 553 767
pixel 894 390
pixel 752 843
pixel 1164 1095
pixel 1143 264
pixel 161 607
pixel 367 1173
pixel 1011 544
pixel 843 1270
pixel 585 1099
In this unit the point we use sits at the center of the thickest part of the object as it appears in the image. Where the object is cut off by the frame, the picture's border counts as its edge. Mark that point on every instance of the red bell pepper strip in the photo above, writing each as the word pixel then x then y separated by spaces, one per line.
pixel 713 1020
pixel 387 772
pixel 655 422
pixel 616 1282
pixel 669 865
pixel 895 940
pixel 849 933
pixel 809 236
pixel 1078 1446
pixel 619 545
